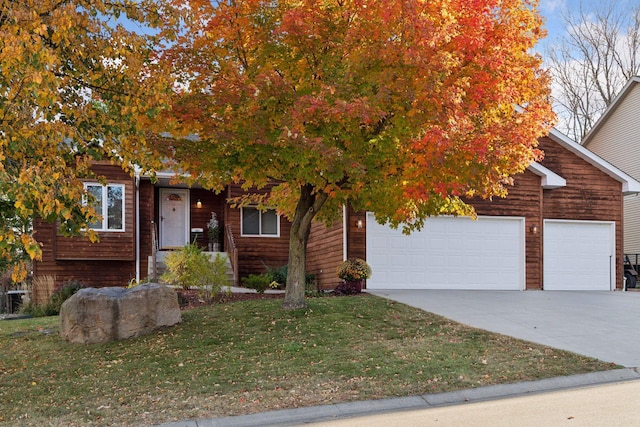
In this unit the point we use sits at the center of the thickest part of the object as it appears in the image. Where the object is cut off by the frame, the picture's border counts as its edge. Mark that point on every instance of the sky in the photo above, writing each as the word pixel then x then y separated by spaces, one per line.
pixel 553 10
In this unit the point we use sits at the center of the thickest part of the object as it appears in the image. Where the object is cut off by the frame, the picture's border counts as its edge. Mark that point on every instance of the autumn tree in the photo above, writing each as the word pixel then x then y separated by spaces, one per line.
pixel 400 107
pixel 75 86
pixel 593 61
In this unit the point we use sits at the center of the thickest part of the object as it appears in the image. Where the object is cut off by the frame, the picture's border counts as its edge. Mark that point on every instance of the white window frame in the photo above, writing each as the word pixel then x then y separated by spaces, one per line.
pixel 105 206
pixel 260 234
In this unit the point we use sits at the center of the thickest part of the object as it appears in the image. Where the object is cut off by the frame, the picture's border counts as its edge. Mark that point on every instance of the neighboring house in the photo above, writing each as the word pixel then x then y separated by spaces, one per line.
pixel 559 228
pixel 616 138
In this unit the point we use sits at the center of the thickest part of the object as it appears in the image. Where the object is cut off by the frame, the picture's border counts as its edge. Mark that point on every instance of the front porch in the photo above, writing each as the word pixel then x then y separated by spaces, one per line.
pixel 172 215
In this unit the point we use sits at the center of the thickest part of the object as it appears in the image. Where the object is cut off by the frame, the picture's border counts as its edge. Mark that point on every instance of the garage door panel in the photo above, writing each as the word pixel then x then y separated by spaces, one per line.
pixel 449 253
pixel 579 255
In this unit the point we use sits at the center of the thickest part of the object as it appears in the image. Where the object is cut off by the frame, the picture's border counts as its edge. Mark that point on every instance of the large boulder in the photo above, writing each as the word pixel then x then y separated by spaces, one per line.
pixel 97 315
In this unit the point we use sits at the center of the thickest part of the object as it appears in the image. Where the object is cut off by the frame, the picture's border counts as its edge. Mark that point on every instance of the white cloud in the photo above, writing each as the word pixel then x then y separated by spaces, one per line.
pixel 550 6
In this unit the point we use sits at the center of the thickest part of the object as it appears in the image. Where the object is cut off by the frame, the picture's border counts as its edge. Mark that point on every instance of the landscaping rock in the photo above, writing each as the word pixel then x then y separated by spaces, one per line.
pixel 97 315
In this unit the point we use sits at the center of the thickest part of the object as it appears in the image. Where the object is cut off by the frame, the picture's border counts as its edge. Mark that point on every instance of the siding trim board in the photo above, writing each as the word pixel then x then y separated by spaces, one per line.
pixel 550 179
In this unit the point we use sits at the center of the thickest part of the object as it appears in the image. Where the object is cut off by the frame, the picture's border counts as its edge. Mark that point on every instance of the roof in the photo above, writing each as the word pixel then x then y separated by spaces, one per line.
pixel 629 185
pixel 626 90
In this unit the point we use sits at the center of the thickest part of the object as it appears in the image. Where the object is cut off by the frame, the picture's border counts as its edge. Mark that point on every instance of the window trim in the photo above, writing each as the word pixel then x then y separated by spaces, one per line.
pixel 105 207
pixel 260 234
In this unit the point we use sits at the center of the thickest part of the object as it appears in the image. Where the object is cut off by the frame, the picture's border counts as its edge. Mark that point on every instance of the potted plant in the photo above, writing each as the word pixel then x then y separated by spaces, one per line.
pixel 354 271
pixel 213 233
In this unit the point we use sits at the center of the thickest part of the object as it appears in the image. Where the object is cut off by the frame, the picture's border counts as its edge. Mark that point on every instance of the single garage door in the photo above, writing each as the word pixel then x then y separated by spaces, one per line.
pixel 448 253
pixel 579 255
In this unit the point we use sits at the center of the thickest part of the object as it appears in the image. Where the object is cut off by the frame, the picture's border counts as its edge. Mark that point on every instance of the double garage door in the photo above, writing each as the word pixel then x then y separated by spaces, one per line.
pixel 489 254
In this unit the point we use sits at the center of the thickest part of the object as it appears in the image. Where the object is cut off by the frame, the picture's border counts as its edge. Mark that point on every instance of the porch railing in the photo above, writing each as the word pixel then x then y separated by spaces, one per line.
pixel 232 252
pixel 154 251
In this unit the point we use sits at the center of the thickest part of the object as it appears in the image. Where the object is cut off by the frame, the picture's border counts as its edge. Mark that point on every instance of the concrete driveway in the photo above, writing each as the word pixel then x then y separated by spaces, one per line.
pixel 604 325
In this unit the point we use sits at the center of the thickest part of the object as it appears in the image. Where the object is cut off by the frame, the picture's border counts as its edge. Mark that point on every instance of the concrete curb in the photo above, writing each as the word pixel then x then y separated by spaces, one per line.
pixel 298 416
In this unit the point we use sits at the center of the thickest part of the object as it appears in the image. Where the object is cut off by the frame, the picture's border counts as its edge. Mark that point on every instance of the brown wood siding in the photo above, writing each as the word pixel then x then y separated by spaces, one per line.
pixel 325 253
pixel 110 262
pixel 590 195
pixel 113 245
pixel 200 216
pixel 92 273
pixel 357 237
pixel 256 254
pixel 147 223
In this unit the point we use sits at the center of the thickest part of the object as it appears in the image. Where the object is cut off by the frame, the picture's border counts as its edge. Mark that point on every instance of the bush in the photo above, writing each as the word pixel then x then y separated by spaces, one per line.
pixel 259 282
pixel 347 288
pixel 190 267
pixel 64 292
pixel 59 296
pixel 279 275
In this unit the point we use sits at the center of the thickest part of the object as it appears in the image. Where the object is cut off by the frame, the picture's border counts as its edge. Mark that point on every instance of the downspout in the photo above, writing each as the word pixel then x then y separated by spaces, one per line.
pixel 345 223
pixel 137 208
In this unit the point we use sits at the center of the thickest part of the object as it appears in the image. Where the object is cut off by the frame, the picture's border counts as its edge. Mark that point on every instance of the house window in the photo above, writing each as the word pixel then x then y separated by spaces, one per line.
pixel 109 203
pixel 260 223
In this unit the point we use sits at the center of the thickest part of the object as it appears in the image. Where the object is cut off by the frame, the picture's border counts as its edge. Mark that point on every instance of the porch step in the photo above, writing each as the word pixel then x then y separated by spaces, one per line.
pixel 161 268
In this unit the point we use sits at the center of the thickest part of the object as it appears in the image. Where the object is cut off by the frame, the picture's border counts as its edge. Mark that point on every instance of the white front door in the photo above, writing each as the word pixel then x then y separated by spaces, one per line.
pixel 174 218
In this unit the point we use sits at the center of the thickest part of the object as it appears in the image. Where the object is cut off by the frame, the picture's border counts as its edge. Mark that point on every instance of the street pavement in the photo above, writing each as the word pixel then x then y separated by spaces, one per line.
pixel 596 399
pixel 606 405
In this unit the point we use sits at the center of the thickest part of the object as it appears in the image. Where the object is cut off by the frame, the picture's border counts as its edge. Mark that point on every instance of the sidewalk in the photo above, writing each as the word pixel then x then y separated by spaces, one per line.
pixel 606 398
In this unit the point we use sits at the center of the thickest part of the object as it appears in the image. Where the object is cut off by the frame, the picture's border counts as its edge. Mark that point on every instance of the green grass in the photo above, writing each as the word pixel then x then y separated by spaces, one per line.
pixel 251 356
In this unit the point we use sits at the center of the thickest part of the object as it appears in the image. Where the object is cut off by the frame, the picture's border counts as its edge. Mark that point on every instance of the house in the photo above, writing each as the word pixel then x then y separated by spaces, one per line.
pixel 559 228
pixel 616 138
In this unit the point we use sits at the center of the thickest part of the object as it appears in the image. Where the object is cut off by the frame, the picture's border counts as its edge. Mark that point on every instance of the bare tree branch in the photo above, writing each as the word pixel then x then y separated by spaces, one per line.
pixel 592 62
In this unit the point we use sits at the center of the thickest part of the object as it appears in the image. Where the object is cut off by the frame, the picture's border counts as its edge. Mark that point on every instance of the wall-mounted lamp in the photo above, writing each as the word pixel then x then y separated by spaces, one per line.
pixel 359 223
pixel 198 204
pixel 534 229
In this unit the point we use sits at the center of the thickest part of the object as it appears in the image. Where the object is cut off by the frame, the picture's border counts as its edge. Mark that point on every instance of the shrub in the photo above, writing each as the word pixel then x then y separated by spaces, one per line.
pixel 347 288
pixel 64 292
pixel 190 267
pixel 353 269
pixel 60 295
pixel 279 275
pixel 259 282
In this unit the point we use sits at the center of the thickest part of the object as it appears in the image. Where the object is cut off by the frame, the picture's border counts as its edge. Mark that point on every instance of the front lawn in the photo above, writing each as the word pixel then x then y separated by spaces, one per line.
pixel 251 356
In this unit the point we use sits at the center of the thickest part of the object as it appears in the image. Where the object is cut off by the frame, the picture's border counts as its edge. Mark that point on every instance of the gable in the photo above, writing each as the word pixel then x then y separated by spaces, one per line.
pixel 589 194
pixel 616 135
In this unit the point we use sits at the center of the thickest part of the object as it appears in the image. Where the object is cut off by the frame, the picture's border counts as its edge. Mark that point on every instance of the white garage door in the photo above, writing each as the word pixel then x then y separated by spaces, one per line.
pixel 579 255
pixel 448 253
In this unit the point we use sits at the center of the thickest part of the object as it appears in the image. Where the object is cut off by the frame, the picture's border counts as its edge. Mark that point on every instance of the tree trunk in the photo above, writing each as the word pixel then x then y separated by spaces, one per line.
pixel 308 205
